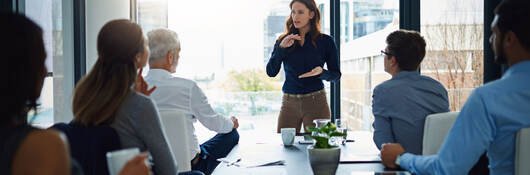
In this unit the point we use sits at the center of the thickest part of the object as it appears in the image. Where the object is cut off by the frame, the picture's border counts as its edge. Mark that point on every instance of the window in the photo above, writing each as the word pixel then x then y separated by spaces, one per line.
pixel 454 32
pixel 361 64
pixel 236 39
pixel 152 14
pixel 48 15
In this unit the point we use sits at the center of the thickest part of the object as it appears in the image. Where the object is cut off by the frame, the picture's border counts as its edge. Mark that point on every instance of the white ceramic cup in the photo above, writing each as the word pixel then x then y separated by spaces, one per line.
pixel 117 159
pixel 288 136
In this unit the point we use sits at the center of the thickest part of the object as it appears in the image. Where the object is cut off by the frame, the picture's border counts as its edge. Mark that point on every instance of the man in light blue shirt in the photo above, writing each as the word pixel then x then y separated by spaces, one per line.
pixel 493 113
pixel 401 104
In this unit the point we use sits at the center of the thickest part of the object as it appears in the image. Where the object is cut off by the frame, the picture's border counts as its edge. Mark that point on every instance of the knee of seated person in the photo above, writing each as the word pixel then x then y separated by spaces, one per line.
pixel 235 136
pixel 232 137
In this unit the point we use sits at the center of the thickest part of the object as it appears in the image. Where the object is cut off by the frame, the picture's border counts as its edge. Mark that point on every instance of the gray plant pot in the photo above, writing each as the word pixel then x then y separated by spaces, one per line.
pixel 323 161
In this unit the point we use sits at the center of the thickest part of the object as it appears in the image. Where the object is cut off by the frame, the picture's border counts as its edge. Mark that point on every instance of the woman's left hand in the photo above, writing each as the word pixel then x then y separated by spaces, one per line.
pixel 316 71
pixel 141 85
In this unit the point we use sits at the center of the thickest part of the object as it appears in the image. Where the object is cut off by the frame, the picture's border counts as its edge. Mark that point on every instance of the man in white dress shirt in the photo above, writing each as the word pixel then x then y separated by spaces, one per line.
pixel 183 94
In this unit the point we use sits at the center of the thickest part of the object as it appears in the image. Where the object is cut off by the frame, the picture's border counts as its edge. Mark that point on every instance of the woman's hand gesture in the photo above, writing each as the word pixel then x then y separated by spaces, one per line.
pixel 288 41
pixel 316 71
pixel 141 85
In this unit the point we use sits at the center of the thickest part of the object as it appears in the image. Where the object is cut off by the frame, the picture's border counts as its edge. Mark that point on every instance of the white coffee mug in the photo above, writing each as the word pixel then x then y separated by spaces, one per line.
pixel 288 136
pixel 117 159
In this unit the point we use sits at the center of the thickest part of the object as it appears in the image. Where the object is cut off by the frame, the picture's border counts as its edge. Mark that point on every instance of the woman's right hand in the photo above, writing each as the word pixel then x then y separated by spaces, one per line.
pixel 141 85
pixel 288 41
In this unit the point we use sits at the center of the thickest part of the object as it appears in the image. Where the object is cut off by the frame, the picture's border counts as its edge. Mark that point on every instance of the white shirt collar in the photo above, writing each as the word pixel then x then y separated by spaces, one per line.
pixel 162 73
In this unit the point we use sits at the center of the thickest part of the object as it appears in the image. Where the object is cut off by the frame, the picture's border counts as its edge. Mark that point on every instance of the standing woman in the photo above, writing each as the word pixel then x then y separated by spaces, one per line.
pixel 112 94
pixel 304 50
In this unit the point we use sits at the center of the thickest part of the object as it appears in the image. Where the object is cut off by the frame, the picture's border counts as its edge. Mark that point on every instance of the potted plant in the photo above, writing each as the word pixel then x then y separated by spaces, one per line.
pixel 323 156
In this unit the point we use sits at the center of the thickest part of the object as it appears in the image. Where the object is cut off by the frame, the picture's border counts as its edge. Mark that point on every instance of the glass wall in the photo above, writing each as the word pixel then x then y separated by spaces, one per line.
pixel 454 32
pixel 364 26
pixel 48 15
pixel 225 48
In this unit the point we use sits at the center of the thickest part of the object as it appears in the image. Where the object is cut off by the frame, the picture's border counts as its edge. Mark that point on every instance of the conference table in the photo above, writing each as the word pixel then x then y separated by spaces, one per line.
pixel 357 158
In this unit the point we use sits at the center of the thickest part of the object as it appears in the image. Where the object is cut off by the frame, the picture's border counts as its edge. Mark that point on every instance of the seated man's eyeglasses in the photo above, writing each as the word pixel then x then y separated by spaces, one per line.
pixel 385 53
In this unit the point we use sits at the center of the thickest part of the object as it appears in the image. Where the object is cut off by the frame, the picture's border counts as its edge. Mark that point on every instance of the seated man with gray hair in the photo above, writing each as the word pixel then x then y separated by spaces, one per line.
pixel 183 94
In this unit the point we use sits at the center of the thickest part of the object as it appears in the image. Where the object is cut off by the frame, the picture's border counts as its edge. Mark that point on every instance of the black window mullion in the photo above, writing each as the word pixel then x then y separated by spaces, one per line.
pixel 79 40
pixel 409 14
pixel 335 33
pixel 492 71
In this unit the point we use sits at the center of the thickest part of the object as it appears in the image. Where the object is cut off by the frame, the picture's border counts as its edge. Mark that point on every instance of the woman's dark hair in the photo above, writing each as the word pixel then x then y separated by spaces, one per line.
pixel 314 30
pixel 98 95
pixel 23 48
pixel 408 47
pixel 514 15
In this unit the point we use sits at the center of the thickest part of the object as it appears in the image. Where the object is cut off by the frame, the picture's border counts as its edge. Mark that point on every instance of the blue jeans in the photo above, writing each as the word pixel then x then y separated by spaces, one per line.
pixel 191 173
pixel 217 147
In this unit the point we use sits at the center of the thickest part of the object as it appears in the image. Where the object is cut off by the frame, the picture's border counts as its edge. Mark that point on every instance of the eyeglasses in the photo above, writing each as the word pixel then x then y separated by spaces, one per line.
pixel 385 53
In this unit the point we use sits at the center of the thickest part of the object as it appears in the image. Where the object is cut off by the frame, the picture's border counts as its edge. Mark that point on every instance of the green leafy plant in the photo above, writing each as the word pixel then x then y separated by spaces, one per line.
pixel 324 133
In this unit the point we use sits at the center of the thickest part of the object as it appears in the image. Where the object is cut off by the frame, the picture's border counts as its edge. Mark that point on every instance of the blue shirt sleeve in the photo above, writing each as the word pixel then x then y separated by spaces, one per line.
pixel 382 123
pixel 332 61
pixel 470 136
pixel 275 62
pixel 382 131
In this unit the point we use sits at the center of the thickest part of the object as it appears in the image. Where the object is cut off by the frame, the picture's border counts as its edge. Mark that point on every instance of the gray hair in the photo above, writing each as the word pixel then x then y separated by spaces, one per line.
pixel 162 41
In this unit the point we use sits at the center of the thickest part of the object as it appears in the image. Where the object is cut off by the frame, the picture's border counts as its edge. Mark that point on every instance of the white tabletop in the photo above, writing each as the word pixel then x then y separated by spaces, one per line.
pixel 259 148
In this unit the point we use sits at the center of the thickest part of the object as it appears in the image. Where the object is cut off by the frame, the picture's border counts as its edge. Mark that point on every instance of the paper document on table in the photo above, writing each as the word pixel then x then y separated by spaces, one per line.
pixel 275 163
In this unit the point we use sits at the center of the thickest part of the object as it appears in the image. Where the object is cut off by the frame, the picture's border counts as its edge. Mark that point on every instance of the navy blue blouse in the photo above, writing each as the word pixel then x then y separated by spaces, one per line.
pixel 303 59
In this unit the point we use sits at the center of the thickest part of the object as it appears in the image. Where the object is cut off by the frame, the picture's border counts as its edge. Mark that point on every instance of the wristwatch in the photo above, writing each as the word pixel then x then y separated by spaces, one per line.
pixel 398 159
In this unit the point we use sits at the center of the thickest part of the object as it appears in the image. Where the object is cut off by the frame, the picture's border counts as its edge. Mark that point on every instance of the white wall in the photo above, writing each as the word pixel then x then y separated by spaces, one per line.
pixel 99 12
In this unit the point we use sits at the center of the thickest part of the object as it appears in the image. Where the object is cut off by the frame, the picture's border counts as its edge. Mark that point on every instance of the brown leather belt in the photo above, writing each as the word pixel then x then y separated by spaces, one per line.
pixel 305 95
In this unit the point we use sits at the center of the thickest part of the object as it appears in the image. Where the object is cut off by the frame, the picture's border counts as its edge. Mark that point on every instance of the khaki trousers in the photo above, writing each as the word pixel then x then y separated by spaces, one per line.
pixel 298 109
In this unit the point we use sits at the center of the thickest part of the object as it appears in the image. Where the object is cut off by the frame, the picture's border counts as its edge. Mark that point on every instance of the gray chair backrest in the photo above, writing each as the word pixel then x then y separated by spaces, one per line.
pixel 176 129
pixel 522 152
pixel 435 130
